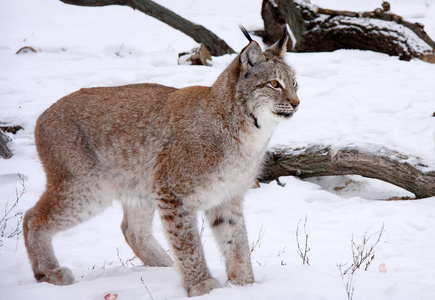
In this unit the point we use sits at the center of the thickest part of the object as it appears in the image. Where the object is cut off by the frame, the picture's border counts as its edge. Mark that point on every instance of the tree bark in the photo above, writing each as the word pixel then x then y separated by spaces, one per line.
pixel 317 29
pixel 401 170
pixel 200 34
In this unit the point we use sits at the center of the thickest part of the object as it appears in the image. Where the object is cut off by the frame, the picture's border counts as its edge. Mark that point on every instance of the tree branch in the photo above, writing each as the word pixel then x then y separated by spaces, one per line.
pixel 374 162
pixel 200 34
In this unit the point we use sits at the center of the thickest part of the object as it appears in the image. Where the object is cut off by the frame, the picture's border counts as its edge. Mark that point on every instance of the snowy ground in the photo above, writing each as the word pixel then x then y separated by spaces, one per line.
pixel 347 97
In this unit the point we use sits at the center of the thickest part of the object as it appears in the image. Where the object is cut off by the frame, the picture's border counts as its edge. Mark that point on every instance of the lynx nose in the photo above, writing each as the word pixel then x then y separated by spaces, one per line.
pixel 294 102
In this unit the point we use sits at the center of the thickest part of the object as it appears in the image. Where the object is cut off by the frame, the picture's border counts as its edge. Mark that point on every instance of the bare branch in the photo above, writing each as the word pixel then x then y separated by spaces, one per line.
pixel 125 263
pixel 257 242
pixel 360 254
pixel 303 254
pixel 149 293
pixel 18 215
pixel 347 282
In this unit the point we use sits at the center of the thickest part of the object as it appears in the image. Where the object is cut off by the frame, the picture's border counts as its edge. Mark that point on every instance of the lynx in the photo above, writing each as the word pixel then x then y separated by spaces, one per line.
pixel 154 147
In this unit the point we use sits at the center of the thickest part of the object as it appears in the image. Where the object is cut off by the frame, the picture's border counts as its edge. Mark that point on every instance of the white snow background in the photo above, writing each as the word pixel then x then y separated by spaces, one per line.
pixel 347 97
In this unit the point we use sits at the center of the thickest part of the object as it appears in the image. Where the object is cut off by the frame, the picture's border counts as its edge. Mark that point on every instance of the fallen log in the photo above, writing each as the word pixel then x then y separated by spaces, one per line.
pixel 317 29
pixel 5 152
pixel 402 170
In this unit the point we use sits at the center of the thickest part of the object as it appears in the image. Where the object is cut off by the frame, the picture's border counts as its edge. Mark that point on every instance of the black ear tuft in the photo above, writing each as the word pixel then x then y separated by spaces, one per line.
pixel 284 36
pixel 245 32
pixel 280 47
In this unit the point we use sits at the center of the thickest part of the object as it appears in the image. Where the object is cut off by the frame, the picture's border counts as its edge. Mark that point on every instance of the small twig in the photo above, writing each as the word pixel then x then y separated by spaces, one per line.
pixel 303 254
pixel 18 216
pixel 18 229
pixel 348 284
pixel 257 242
pixel 281 252
pixel 281 184
pixel 119 257
pixel 143 282
pixel 125 264
pixel 260 263
pixel 18 195
pixel 119 51
pixel 360 254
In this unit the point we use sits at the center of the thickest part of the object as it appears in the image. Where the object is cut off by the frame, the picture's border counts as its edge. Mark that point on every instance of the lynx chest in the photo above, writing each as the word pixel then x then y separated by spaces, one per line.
pixel 238 171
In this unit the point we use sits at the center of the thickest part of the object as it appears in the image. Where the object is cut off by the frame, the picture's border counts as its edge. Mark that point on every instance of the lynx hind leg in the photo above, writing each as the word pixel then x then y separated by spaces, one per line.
pixel 228 225
pixel 137 229
pixel 180 224
pixel 73 193
pixel 58 209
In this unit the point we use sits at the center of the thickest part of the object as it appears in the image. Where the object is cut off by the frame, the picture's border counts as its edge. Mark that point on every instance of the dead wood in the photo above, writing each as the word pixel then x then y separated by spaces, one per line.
pixel 374 162
pixel 317 29
pixel 197 56
pixel 5 152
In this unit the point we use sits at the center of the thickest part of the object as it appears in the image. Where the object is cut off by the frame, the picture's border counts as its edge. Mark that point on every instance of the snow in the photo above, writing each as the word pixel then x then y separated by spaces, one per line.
pixel 348 98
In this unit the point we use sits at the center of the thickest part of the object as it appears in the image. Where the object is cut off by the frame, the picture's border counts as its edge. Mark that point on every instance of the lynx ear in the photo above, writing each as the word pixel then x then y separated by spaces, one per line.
pixel 251 55
pixel 279 48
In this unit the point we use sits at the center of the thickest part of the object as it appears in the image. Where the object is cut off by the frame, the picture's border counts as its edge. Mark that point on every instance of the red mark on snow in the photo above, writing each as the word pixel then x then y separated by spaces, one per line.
pixel 111 296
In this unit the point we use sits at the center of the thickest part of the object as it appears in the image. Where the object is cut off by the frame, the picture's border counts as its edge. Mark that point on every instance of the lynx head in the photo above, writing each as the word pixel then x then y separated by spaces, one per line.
pixel 266 85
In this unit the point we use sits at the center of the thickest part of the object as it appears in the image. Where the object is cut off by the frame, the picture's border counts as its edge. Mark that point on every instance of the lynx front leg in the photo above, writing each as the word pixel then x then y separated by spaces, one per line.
pixel 228 225
pixel 181 228
pixel 137 229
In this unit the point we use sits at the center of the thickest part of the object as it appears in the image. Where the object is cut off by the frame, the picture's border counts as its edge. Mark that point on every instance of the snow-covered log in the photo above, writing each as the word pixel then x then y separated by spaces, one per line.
pixel 402 170
pixel 200 34
pixel 317 29
pixel 5 152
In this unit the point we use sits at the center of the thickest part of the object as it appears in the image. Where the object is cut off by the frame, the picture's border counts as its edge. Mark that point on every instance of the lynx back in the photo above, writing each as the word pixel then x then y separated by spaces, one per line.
pixel 154 147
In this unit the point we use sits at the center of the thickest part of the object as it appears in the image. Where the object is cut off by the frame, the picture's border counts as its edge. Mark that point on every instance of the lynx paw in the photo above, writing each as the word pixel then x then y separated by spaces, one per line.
pixel 204 287
pixel 58 276
pixel 241 281
pixel 241 277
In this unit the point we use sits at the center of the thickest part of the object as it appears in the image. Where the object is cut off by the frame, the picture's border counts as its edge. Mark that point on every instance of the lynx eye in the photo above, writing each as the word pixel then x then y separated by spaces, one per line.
pixel 275 84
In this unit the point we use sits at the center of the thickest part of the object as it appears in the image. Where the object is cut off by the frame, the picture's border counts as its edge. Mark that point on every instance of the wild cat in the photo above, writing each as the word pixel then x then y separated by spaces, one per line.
pixel 155 147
